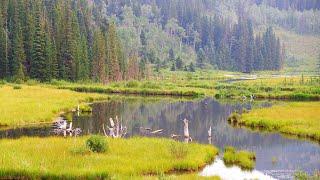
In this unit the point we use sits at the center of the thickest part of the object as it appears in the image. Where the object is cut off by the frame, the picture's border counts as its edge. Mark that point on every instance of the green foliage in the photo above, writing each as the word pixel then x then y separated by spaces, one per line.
pixel 178 150
pixel 244 159
pixel 234 117
pixel 97 144
pixel 16 87
pixel 300 175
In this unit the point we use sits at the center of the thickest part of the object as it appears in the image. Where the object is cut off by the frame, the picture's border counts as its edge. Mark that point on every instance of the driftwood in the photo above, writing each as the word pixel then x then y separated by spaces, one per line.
pixel 209 132
pixel 157 131
pixel 61 127
pixel 186 134
pixel 116 130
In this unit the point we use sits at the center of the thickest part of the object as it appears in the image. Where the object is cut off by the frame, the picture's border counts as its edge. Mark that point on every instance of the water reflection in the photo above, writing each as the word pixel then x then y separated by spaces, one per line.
pixel 141 116
pixel 218 168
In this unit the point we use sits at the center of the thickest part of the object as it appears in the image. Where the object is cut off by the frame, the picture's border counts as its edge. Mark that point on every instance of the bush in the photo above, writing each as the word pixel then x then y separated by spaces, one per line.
pixel 97 144
pixel 17 87
pixel 132 84
pixel 178 150
pixel 234 117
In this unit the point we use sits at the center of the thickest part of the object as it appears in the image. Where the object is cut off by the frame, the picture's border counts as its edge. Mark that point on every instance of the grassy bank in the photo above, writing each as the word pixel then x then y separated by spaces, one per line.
pixel 210 84
pixel 125 157
pixel 22 105
pixel 295 118
pixel 243 159
pixel 282 88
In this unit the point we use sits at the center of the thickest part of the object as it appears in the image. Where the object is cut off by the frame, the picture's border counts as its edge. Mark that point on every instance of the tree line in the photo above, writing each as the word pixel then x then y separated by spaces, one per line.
pixel 60 39
pixel 104 40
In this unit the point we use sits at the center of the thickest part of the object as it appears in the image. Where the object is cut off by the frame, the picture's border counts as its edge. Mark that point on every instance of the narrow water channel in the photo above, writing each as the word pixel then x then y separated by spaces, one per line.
pixel 277 156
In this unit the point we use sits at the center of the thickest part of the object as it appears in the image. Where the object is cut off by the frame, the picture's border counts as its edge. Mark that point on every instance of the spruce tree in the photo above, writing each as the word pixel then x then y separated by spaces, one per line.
pixel 113 59
pixel 3 49
pixel 39 64
pixel 99 57
pixel 17 58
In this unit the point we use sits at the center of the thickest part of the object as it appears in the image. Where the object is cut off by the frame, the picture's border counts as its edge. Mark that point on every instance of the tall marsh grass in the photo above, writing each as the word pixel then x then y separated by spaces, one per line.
pixel 52 158
pixel 22 105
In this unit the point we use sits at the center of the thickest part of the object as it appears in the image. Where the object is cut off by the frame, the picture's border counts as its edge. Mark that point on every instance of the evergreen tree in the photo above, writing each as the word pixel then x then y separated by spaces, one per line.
pixel 179 63
pixel 3 49
pixel 113 59
pixel 17 57
pixel 192 68
pixel 201 58
pixel 99 57
pixel 39 62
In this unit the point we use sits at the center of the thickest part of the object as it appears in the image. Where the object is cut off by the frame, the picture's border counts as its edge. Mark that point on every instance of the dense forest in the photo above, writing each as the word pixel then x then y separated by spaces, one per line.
pixel 104 40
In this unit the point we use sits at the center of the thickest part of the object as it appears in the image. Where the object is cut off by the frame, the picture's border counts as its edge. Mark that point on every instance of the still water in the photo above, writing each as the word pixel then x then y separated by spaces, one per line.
pixel 277 156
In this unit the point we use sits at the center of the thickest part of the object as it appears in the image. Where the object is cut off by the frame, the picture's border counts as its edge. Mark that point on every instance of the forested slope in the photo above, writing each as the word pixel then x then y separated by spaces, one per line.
pixel 104 40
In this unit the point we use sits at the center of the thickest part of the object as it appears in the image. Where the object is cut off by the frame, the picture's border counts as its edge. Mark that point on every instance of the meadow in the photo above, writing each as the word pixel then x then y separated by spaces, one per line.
pixel 148 157
pixel 213 84
pixel 22 105
pixel 294 118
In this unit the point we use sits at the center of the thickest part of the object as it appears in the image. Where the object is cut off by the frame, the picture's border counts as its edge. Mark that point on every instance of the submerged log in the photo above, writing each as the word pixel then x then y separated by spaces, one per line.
pixel 157 131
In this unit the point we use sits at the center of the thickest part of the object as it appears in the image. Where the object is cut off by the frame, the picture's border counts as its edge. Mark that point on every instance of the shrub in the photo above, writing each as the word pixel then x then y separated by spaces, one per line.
pixel 85 108
pixel 32 82
pixel 132 84
pixel 178 150
pixel 234 117
pixel 97 144
pixel 17 87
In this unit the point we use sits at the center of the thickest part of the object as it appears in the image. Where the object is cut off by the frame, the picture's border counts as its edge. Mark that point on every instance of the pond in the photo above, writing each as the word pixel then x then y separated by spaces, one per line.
pixel 276 155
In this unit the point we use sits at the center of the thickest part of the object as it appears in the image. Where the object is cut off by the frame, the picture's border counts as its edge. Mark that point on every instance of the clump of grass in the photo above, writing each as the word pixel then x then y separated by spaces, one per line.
pixel 178 150
pixel 234 117
pixel 97 143
pixel 16 87
pixel 85 108
pixel 244 159
pixel 80 150
pixel 301 175
pixel 126 158
pixel 132 84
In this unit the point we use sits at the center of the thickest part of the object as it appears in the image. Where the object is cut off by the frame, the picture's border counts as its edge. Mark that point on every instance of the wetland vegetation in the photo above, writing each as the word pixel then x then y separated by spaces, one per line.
pixel 167 71
pixel 146 156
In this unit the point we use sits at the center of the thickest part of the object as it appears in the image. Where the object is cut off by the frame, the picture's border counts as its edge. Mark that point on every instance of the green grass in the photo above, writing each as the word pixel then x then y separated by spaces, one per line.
pixel 294 118
pixel 54 157
pixel 300 175
pixel 291 88
pixel 243 159
pixel 35 104
pixel 210 83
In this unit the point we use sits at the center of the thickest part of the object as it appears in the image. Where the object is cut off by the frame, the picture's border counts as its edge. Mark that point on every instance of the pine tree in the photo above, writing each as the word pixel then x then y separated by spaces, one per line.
pixel 99 58
pixel 17 58
pixel 3 49
pixel 192 68
pixel 113 59
pixel 179 63
pixel 201 58
pixel 39 64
